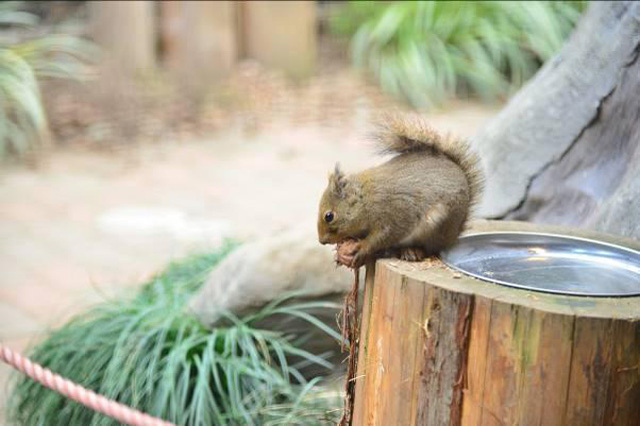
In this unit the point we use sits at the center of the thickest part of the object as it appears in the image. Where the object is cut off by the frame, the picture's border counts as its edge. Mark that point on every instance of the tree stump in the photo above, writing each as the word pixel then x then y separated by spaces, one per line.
pixel 438 347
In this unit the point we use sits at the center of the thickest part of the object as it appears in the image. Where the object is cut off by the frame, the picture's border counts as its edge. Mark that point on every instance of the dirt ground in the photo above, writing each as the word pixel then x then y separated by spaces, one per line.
pixel 85 226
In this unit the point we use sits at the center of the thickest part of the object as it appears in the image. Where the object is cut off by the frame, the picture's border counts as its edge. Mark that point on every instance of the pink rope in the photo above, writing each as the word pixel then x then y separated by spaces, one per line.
pixel 84 396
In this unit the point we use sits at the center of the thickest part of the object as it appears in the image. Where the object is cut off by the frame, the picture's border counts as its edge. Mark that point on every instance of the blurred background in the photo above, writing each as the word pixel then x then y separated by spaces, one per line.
pixel 135 132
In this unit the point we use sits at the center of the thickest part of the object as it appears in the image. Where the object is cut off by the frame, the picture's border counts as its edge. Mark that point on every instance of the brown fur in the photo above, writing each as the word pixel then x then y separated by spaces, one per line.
pixel 417 202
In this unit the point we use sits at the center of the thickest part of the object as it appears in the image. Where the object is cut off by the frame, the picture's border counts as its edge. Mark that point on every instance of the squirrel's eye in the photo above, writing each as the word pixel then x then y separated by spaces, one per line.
pixel 328 216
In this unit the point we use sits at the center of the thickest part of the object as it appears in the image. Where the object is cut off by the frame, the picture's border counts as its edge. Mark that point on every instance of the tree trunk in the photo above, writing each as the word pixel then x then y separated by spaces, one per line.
pixel 586 185
pixel 281 35
pixel 564 150
pixel 441 348
pixel 199 40
pixel 126 33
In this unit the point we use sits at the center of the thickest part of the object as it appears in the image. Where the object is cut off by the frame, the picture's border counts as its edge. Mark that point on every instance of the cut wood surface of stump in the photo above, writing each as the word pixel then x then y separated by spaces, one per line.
pixel 438 347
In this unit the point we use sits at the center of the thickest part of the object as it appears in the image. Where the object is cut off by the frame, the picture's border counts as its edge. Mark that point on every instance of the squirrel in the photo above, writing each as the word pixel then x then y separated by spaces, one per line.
pixel 413 206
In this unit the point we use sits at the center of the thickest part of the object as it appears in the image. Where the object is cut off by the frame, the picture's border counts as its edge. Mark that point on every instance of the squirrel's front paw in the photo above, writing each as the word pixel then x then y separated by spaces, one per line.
pixel 349 253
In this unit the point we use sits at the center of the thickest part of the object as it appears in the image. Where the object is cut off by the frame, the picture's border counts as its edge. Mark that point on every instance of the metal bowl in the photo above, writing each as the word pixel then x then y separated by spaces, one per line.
pixel 548 263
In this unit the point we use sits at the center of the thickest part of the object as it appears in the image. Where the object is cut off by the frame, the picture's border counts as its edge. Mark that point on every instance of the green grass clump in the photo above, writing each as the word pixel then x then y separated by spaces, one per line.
pixel 428 51
pixel 150 353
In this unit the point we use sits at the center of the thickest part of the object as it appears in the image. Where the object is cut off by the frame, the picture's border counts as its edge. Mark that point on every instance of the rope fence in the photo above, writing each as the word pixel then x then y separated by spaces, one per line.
pixel 77 393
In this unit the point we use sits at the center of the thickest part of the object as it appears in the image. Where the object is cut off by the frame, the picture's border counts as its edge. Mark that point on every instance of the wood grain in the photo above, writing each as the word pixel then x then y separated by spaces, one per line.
pixel 476 367
pixel 547 361
pixel 623 404
pixel 590 371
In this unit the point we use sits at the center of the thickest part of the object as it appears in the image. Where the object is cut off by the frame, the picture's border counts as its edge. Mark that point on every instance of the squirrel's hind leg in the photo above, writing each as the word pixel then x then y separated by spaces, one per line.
pixel 414 254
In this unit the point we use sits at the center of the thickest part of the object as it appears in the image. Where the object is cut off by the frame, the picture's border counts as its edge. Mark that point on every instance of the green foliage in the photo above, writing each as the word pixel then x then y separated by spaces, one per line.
pixel 23 124
pixel 150 353
pixel 428 51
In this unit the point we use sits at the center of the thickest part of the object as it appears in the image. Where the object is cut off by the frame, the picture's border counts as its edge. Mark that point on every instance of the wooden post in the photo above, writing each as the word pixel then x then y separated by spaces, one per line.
pixel 126 33
pixel 441 348
pixel 281 34
pixel 199 40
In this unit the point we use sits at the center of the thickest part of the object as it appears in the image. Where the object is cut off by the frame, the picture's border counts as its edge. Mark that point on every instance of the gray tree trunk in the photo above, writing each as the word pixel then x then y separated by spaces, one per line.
pixel 565 150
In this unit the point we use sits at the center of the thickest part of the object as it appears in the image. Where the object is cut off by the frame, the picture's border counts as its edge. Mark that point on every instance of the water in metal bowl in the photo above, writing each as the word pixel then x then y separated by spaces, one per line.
pixel 549 263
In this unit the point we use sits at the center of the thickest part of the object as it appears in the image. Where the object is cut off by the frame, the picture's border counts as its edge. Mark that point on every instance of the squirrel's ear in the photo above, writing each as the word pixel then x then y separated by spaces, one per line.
pixel 337 180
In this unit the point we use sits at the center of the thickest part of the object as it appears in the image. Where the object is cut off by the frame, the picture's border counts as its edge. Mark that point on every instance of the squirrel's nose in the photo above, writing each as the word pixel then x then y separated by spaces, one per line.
pixel 325 238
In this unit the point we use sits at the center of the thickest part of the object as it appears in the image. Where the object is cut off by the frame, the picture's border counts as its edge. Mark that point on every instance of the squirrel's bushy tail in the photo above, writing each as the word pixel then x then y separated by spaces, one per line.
pixel 410 133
